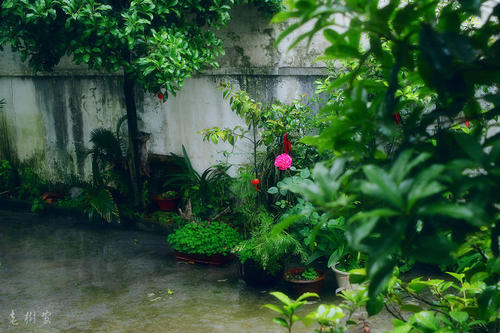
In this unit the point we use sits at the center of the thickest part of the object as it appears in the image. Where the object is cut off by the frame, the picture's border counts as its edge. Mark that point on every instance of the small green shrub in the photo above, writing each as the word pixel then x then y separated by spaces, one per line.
pixel 168 195
pixel 168 219
pixel 205 238
pixel 31 184
pixel 6 176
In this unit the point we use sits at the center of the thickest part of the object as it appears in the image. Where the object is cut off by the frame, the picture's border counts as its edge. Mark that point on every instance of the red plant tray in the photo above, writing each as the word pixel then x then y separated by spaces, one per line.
pixel 216 259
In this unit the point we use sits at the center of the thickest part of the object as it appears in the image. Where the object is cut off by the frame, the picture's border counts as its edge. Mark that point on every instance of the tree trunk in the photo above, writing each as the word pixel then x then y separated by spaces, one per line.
pixel 135 179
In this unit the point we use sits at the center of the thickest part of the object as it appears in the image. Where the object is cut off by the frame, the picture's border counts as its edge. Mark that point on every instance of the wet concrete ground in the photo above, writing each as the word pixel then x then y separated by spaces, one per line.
pixel 66 275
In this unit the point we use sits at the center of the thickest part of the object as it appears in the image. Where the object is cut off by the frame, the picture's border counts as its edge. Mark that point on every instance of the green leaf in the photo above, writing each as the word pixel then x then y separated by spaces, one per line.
pixel 381 186
pixel 282 297
pixel 427 320
pixel 411 308
pixel 465 212
pixel 272 190
pixel 280 321
pixel 357 275
pixel 285 223
pixel 459 316
pixel 489 302
pixel 470 145
pixel 305 173
pixel 307 295
pixel 275 309
pixel 401 327
pixel 375 305
pixel 479 276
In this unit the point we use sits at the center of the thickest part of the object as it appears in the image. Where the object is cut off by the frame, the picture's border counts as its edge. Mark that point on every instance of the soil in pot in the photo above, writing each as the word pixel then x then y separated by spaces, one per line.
pixel 298 285
pixel 256 277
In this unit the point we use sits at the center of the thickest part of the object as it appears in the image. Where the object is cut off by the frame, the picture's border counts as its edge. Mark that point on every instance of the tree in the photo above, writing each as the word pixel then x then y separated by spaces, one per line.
pixel 157 44
pixel 417 168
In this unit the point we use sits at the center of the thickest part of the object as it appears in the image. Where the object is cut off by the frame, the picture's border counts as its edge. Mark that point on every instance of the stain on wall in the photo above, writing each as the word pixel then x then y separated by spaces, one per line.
pixel 53 114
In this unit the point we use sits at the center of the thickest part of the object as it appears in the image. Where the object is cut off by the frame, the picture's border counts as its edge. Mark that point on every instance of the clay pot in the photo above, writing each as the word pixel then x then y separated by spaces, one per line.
pixel 302 286
pixel 166 205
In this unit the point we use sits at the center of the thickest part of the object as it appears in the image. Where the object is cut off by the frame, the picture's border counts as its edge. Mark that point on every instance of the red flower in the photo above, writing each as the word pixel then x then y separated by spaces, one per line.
pixel 397 118
pixel 467 123
pixel 160 97
pixel 256 182
pixel 287 145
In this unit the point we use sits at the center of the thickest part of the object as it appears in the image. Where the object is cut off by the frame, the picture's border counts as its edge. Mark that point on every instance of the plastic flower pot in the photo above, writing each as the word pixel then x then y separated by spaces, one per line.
pixel 302 286
pixel 343 281
pixel 166 204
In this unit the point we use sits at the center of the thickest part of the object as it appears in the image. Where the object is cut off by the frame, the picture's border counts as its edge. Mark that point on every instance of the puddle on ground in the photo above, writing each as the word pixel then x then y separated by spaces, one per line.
pixel 66 275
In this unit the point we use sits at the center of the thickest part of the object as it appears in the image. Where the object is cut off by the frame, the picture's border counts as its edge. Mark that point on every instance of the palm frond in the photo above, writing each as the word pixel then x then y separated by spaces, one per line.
pixel 106 145
pixel 103 204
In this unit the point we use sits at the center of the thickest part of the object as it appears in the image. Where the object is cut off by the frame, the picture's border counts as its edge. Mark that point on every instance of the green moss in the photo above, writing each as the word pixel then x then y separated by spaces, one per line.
pixel 244 59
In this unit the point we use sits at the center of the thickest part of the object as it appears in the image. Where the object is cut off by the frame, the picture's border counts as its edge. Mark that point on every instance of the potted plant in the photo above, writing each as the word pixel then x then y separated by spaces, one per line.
pixel 204 242
pixel 166 201
pixel 325 239
pixel 263 255
pixel 304 280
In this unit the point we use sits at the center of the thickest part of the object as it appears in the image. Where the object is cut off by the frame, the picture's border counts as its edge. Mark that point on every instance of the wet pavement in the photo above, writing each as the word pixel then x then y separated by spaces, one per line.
pixel 62 274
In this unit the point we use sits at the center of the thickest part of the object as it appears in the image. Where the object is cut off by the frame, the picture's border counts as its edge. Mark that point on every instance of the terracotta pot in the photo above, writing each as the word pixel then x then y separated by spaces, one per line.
pixel 256 277
pixel 302 286
pixel 216 259
pixel 166 204
pixel 50 197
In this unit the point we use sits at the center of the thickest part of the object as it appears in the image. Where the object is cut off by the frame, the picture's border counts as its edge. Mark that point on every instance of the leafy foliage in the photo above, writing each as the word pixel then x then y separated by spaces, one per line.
pixel 267 249
pixel 208 192
pixel 7 176
pixel 205 238
pixel 159 43
pixel 453 305
pixel 168 195
pixel 266 128
pixel 109 159
pixel 429 180
pixel 288 308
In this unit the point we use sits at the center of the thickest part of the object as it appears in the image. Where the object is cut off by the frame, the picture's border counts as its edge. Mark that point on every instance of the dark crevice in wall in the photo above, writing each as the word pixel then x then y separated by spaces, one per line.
pixel 6 149
pixel 75 107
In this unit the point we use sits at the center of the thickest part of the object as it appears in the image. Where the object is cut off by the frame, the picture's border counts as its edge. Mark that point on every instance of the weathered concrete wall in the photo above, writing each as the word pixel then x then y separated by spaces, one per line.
pixel 49 117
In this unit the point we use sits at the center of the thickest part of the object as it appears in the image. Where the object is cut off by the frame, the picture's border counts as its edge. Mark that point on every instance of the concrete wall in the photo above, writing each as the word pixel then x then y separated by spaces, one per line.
pixel 49 117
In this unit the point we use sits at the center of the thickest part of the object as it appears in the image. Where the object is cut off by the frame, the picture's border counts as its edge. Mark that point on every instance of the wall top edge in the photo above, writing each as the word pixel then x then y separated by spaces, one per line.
pixel 251 71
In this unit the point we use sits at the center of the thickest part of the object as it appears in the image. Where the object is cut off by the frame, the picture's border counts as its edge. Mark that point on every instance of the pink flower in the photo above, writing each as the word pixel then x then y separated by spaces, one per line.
pixel 283 161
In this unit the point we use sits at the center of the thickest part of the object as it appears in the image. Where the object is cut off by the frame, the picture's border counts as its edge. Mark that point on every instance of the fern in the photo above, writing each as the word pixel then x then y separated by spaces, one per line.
pixel 269 249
